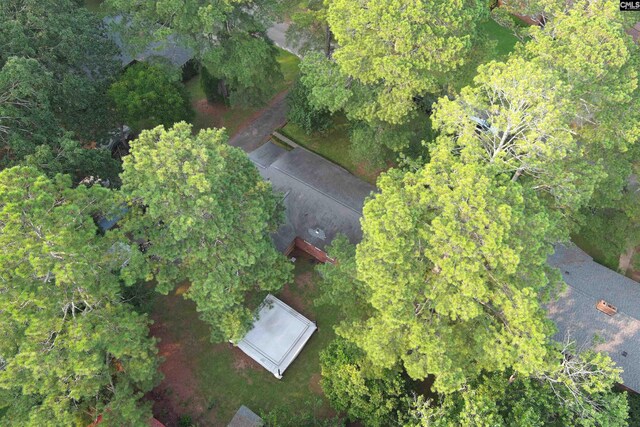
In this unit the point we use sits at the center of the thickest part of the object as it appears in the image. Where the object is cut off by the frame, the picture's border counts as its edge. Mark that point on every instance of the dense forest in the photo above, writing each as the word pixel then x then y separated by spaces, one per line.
pixel 113 194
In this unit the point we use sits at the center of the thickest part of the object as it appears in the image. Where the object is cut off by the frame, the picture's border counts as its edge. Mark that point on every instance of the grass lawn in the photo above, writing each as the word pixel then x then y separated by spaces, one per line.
pixel 209 382
pixel 219 115
pixel 500 41
pixel 333 145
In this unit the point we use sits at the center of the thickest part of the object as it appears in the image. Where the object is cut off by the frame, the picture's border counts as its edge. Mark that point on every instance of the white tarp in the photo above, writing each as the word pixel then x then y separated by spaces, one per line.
pixel 278 335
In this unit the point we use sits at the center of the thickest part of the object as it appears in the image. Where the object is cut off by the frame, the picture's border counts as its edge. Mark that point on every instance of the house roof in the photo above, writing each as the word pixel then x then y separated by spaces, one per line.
pixel 575 313
pixel 321 199
pixel 171 48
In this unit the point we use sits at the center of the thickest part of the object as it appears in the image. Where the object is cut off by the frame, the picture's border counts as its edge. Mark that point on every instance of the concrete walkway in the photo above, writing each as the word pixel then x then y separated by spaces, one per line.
pixel 259 128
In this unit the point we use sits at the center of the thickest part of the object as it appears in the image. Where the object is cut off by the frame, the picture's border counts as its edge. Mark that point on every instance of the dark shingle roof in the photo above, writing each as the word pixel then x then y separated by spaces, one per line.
pixel 576 315
pixel 321 199
pixel 171 49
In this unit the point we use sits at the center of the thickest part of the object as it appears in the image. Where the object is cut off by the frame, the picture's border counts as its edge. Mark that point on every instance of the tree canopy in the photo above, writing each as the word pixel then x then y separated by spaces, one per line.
pixel 207 215
pixel 72 349
pixel 55 66
pixel 229 37
pixel 577 392
pixel 70 43
pixel 148 95
pixel 390 52
pixel 447 253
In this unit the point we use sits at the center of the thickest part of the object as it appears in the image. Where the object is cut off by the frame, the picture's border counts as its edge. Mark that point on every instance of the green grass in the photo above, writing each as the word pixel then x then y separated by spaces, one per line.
pixel 289 66
pixel 496 43
pixel 334 145
pixel 224 386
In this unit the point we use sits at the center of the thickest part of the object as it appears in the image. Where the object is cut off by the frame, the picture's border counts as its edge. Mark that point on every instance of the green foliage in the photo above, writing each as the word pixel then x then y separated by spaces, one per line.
pixel 248 67
pixel 309 30
pixel 148 95
pixel 579 392
pixel 73 348
pixel 208 216
pixel 303 114
pixel 340 286
pixel 634 408
pixel 190 70
pixel 390 52
pixel 69 42
pixel 455 263
pixel 185 421
pixel 31 133
pixel 379 143
pixel 227 36
pixel 372 399
pixel 26 114
pixel 588 47
pixel 211 86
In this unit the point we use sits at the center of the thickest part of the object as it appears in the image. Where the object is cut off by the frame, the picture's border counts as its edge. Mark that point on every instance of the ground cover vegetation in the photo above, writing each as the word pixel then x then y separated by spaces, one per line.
pixel 437 318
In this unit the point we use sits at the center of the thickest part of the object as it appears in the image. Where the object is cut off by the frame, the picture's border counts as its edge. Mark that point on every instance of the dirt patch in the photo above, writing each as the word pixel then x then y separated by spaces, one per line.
pixel 294 300
pixel 305 280
pixel 176 394
pixel 214 112
pixel 314 384
pixel 242 362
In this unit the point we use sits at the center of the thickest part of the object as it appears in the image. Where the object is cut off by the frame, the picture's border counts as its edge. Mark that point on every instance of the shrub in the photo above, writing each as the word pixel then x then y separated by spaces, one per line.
pixel 375 400
pixel 211 86
pixel 148 95
pixel 303 114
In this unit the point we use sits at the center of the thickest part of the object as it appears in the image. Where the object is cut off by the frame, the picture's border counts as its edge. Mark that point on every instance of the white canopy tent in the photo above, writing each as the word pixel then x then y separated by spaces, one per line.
pixel 278 336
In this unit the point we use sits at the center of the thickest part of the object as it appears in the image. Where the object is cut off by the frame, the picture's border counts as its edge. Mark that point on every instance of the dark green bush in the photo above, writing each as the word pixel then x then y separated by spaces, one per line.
pixel 190 69
pixel 211 86
pixel 303 114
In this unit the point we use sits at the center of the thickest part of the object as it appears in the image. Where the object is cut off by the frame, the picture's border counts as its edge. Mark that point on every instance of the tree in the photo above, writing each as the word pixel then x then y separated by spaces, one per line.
pixel 577 392
pixel 373 400
pixel 309 29
pixel 394 52
pixel 229 38
pixel 72 348
pixel 148 95
pixel 70 43
pixel 207 216
pixel 26 115
pixel 588 46
pixel 303 114
pixel 31 133
pixel 454 262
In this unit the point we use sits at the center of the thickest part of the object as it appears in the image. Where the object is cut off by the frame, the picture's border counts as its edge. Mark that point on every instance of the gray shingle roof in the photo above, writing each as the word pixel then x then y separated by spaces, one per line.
pixel 321 199
pixel 576 315
pixel 171 49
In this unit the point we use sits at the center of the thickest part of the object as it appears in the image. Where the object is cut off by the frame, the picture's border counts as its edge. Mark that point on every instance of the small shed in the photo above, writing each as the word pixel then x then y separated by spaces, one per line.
pixel 245 417
pixel 278 335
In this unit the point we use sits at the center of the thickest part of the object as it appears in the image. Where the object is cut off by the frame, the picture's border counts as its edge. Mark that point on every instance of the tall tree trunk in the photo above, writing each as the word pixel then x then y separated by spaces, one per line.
pixel 328 37
pixel 224 91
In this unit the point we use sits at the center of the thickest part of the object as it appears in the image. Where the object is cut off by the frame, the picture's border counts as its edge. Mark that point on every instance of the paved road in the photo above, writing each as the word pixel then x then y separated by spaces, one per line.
pixel 277 34
pixel 274 115
pixel 263 123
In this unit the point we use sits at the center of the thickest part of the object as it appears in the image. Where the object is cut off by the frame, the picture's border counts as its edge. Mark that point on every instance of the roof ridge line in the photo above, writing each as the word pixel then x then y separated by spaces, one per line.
pixel 316 189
